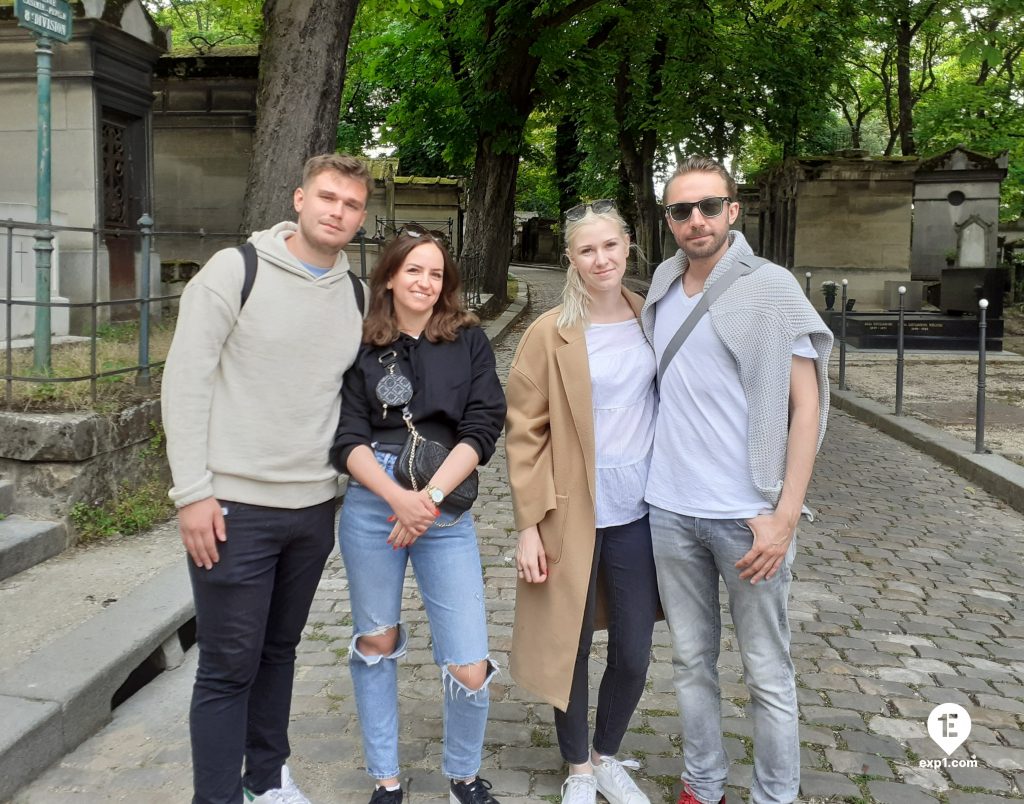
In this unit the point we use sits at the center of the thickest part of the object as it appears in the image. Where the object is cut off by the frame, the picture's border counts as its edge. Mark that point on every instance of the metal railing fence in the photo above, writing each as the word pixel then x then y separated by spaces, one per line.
pixel 179 262
pixel 979 417
pixel 96 236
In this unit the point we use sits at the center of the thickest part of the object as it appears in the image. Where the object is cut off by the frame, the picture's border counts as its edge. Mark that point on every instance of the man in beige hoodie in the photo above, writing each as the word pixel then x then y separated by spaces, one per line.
pixel 251 395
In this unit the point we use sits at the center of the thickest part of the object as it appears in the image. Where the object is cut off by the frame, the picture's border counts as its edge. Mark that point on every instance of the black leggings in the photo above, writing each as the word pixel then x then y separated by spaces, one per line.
pixel 623 554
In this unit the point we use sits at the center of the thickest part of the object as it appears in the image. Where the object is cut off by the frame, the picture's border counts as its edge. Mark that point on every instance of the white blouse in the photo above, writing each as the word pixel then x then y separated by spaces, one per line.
pixel 622 371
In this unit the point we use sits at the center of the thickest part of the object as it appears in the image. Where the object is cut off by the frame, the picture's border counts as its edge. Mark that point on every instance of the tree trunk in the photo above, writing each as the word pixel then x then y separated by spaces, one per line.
pixel 302 71
pixel 904 88
pixel 490 215
pixel 638 161
pixel 568 157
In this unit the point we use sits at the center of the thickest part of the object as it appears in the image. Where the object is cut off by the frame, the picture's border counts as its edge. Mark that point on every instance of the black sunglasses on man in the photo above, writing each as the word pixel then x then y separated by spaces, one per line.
pixel 710 207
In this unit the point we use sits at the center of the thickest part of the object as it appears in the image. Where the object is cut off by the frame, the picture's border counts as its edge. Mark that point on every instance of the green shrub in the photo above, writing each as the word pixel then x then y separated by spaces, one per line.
pixel 135 506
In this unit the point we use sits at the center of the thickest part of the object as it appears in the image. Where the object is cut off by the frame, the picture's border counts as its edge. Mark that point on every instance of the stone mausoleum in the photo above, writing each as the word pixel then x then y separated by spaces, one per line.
pixel 842 216
pixel 101 150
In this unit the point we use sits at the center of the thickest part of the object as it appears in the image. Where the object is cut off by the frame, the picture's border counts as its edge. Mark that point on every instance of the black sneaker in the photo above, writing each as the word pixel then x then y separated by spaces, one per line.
pixel 474 792
pixel 382 795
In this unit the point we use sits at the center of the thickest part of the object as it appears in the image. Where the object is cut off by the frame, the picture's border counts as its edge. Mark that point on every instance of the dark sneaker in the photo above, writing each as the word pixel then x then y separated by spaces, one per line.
pixel 474 792
pixel 382 795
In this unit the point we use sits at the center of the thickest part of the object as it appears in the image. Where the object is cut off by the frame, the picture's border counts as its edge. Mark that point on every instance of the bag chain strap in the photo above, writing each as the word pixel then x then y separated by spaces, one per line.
pixel 416 438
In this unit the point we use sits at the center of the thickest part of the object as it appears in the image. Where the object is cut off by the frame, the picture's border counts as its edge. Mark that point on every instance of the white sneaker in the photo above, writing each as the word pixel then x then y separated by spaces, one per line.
pixel 287 793
pixel 579 788
pixel 615 784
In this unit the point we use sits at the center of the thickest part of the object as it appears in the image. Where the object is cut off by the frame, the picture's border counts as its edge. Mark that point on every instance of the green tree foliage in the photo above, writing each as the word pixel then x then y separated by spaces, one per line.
pixel 202 26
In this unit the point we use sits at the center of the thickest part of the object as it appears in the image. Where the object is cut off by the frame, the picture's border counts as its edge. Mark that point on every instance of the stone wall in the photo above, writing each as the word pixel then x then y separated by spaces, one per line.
pixel 59 459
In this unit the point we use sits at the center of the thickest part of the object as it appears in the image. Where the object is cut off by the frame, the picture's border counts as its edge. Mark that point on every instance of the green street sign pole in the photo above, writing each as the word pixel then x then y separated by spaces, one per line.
pixel 44 237
pixel 48 20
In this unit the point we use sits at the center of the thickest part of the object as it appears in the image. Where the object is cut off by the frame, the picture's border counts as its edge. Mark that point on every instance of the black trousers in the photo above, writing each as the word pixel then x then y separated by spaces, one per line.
pixel 251 608
pixel 623 556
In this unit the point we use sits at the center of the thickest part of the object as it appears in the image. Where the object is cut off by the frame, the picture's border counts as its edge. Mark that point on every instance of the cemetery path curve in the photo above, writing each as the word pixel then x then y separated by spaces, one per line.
pixel 907 594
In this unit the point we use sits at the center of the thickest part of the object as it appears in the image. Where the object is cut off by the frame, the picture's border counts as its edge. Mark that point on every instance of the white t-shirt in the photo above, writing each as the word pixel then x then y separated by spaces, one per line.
pixel 700 465
pixel 622 371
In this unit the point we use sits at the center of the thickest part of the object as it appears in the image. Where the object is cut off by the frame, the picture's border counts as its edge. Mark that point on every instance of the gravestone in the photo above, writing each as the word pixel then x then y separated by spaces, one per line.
pixel 20 274
pixel 973 242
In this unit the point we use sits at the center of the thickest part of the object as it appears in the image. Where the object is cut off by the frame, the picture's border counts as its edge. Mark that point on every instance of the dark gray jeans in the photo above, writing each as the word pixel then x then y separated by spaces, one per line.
pixel 623 555
pixel 251 608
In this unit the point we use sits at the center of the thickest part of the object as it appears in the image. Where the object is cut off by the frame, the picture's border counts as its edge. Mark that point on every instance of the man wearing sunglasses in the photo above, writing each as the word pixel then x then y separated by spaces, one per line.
pixel 743 406
pixel 251 398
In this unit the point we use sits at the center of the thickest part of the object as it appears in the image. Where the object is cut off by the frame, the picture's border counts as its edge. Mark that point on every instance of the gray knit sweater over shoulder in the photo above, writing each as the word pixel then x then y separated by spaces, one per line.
pixel 758 319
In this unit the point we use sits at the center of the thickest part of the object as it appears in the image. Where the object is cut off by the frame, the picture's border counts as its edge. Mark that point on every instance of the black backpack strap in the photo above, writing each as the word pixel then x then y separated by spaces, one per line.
pixel 251 261
pixel 357 289
pixel 248 251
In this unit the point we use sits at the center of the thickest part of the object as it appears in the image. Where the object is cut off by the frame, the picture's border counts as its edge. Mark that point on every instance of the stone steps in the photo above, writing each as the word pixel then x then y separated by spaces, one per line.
pixel 67 690
pixel 26 542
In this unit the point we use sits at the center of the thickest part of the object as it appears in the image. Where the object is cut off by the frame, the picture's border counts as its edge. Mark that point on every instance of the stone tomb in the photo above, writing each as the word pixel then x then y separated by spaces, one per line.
pixel 101 97
pixel 843 216
pixel 931 331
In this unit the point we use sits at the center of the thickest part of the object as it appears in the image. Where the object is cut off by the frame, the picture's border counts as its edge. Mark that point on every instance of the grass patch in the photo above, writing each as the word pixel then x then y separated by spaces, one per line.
pixel 512 288
pixel 116 348
pixel 540 739
pixel 135 506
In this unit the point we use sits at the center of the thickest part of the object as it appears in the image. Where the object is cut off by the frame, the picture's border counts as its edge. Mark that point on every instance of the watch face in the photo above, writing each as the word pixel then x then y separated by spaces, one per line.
pixel 437 496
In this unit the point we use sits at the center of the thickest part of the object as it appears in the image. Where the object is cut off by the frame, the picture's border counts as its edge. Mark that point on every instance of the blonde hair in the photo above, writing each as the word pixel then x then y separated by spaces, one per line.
pixel 575 296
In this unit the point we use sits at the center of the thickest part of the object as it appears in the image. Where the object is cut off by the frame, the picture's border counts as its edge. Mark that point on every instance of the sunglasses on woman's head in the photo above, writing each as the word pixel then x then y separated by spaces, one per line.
pixel 710 207
pixel 601 205
pixel 415 230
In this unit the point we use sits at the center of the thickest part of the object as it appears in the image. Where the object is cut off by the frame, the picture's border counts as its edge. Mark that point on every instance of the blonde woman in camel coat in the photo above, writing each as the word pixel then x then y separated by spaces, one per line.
pixel 580 424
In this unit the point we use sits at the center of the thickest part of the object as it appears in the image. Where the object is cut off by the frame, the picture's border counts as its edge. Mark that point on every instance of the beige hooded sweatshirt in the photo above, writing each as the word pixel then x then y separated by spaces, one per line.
pixel 251 399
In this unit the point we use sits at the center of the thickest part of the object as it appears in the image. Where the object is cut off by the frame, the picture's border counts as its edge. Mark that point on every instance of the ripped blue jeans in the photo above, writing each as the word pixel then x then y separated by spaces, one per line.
pixel 446 563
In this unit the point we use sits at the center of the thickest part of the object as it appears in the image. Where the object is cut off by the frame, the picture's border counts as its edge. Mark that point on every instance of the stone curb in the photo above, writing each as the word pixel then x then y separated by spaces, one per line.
pixel 993 473
pixel 63 693
pixel 497 329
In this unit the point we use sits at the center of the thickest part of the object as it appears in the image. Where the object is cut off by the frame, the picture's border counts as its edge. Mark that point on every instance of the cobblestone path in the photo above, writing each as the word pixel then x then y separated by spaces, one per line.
pixel 907 594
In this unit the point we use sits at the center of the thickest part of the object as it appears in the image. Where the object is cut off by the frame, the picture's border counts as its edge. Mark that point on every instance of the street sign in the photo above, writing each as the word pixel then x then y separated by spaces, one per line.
pixel 51 18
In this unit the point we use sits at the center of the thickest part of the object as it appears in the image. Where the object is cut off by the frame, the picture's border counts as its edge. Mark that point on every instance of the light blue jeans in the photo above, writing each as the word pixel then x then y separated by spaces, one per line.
pixel 446 563
pixel 691 554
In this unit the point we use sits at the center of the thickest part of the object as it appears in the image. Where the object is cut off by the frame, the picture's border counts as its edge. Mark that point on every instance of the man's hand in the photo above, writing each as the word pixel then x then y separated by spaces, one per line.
pixel 531 560
pixel 202 525
pixel 772 536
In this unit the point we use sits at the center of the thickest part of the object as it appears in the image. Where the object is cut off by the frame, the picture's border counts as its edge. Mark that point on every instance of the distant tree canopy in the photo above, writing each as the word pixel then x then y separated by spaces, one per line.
pixel 544 102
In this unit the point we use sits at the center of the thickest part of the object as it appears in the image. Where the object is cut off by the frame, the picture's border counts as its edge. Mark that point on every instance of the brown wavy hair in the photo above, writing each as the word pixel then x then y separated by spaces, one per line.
pixel 381 327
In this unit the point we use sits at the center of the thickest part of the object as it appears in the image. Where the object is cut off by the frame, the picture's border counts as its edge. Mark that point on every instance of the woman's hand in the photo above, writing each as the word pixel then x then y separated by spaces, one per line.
pixel 531 560
pixel 414 512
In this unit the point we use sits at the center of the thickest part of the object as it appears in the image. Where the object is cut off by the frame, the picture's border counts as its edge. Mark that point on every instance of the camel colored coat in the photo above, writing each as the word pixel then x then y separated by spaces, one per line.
pixel 549 443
